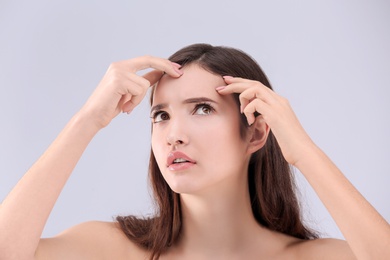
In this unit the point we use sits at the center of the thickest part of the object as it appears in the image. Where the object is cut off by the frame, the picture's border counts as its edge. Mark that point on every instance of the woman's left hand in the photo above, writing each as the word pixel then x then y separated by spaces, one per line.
pixel 368 235
pixel 276 112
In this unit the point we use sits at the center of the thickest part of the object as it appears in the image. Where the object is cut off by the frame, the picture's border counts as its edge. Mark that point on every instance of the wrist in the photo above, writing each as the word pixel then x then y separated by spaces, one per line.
pixel 100 117
pixel 86 123
pixel 307 151
pixel 311 155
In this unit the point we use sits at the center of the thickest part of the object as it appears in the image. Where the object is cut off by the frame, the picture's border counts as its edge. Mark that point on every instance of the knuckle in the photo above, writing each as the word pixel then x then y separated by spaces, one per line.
pixel 115 65
pixel 114 68
pixel 242 96
pixel 133 91
pixel 285 100
pixel 145 84
pixel 114 81
pixel 248 113
pixel 255 102
pixel 258 86
pixel 137 90
pixel 142 82
pixel 249 108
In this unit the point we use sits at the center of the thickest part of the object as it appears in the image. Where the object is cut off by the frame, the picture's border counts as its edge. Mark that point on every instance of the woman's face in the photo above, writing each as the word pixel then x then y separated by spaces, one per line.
pixel 196 132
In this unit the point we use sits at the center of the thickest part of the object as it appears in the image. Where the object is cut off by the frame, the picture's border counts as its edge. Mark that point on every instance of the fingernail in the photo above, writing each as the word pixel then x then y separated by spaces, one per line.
pixel 128 112
pixel 176 64
pixel 220 88
pixel 227 77
pixel 241 109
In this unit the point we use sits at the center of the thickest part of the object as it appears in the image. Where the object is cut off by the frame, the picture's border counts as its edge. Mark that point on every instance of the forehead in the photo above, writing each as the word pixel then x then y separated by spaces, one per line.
pixel 195 82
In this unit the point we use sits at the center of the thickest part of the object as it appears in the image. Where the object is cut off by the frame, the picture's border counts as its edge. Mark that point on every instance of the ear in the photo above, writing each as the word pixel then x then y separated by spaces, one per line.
pixel 257 135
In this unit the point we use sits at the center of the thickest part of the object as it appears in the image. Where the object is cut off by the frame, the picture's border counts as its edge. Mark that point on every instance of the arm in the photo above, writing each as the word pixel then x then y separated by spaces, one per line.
pixel 366 232
pixel 25 210
pixel 86 240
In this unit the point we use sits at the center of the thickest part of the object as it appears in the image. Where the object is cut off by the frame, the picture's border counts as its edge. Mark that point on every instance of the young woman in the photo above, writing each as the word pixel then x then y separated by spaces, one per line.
pixel 222 142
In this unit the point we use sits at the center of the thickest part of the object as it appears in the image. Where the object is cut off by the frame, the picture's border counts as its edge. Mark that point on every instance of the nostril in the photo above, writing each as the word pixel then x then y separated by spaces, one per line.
pixel 175 142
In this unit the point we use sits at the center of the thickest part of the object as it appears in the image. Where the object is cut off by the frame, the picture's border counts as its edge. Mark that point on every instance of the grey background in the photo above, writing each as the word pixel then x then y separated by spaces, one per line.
pixel 331 59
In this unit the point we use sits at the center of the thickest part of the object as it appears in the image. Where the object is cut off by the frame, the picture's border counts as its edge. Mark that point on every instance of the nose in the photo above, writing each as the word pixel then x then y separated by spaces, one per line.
pixel 176 134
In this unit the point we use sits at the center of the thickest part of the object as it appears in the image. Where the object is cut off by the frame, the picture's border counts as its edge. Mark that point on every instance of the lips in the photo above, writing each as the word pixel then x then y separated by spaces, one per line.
pixel 178 158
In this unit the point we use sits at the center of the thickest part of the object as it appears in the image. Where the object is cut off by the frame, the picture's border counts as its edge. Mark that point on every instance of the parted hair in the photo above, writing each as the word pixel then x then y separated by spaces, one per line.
pixel 271 183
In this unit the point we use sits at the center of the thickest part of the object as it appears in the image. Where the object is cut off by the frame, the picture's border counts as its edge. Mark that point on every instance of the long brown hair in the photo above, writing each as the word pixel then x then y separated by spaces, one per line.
pixel 271 184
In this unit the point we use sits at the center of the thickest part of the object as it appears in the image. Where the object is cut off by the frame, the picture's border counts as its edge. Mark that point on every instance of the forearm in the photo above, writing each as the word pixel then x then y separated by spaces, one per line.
pixel 25 210
pixel 365 230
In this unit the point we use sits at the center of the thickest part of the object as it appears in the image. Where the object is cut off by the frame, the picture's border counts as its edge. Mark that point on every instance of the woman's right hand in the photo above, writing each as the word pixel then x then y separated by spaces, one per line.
pixel 121 89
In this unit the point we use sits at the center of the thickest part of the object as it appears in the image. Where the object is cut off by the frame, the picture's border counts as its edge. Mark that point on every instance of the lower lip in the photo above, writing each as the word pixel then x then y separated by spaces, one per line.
pixel 180 166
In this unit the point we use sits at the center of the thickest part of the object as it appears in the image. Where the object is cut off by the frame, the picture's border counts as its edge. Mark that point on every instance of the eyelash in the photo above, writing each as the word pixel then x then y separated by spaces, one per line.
pixel 197 107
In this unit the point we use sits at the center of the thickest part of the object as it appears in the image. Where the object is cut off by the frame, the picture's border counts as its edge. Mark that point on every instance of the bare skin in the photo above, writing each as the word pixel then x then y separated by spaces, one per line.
pixel 235 235
pixel 121 89
pixel 104 240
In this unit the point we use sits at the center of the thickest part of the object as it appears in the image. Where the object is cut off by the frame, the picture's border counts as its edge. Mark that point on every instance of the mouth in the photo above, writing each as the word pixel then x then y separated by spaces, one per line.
pixel 179 160
pixel 176 158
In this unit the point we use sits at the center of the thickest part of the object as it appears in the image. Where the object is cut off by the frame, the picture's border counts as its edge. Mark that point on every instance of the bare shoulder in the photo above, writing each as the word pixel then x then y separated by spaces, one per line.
pixel 90 240
pixel 324 248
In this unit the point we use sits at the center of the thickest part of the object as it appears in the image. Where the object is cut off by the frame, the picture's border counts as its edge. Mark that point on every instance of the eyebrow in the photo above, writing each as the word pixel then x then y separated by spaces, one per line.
pixel 187 101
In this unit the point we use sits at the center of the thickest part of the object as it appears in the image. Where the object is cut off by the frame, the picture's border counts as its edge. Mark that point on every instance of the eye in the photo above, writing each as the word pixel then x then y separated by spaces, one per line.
pixel 203 109
pixel 159 116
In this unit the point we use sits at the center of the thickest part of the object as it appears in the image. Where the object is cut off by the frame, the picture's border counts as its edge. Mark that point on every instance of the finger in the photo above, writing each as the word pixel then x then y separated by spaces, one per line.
pixel 243 104
pixel 249 112
pixel 124 99
pixel 153 76
pixel 238 85
pixel 132 93
pixel 138 80
pixel 128 106
pixel 232 88
pixel 258 106
pixel 230 79
pixel 255 93
pixel 161 64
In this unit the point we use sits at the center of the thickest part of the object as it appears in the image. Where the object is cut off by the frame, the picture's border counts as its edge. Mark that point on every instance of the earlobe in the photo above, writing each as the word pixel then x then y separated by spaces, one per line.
pixel 258 134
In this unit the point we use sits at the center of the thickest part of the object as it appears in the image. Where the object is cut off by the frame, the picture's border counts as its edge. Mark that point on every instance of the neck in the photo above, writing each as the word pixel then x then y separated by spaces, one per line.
pixel 219 219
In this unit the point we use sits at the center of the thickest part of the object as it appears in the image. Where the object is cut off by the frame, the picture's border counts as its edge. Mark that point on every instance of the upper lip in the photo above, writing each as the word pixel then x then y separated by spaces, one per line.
pixel 177 155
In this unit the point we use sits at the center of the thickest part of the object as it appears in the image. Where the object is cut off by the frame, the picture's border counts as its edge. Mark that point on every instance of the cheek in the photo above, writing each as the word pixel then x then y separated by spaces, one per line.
pixel 225 145
pixel 221 139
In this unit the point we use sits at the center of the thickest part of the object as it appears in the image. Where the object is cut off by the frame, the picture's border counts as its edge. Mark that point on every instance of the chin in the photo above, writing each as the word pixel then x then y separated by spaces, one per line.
pixel 183 188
